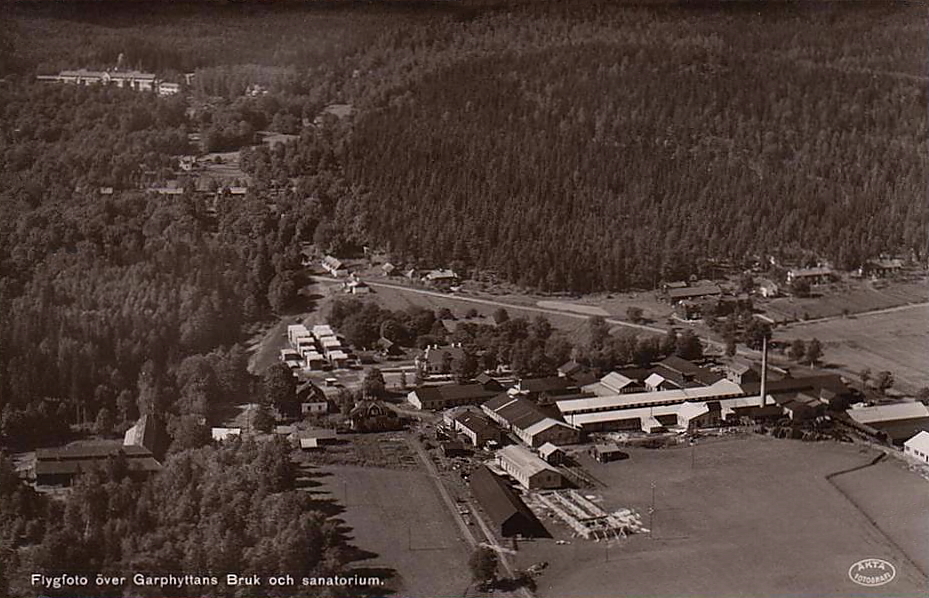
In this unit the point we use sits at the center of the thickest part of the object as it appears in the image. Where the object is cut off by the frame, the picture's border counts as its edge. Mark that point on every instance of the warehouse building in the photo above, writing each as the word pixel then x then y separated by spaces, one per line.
pixel 528 469
pixel 509 514
pixel 897 421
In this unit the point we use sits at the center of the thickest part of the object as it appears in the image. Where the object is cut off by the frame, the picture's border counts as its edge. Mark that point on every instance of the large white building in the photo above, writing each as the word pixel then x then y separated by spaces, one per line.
pixel 917 447
pixel 136 80
pixel 527 468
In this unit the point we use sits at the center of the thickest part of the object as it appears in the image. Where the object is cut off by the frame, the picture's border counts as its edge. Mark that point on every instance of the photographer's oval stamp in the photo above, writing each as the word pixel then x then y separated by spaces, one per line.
pixel 872 572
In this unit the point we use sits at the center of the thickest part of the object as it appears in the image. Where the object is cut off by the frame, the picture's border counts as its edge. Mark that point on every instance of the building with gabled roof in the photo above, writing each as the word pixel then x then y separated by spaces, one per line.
pixel 552 454
pixel 917 447
pixel 59 466
pixel 817 275
pixel 333 266
pixel 440 360
pixel 548 430
pixel 452 395
pixel 700 291
pixel 150 433
pixel 685 373
pixel 528 469
pixel 477 428
pixel 897 421
pixel 509 514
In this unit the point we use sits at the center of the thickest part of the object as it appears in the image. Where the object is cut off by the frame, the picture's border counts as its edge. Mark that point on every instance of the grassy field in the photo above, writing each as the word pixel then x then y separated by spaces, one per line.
pixel 903 518
pixel 897 341
pixel 399 516
pixel 854 295
pixel 752 516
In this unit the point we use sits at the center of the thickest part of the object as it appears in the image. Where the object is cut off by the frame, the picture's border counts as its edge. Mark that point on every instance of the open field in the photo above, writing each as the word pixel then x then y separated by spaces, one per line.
pixel 854 295
pixel 903 518
pixel 754 516
pixel 897 341
pixel 398 515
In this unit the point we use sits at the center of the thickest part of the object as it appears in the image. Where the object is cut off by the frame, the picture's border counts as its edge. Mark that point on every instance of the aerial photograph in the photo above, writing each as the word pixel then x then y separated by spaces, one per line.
pixel 464 299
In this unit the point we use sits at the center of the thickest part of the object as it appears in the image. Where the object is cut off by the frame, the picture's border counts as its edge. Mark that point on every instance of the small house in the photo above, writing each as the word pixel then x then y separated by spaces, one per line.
pixel 552 454
pixel 606 452
pixel 333 266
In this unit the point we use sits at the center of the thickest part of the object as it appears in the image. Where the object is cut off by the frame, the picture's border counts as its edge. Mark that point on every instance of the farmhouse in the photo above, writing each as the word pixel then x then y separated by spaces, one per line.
pixel 439 360
pixel 333 266
pixel 529 470
pixel 881 268
pixel 357 287
pixel 373 416
pixel 768 288
pixel 699 291
pixel 441 277
pixel 917 447
pixel 818 275
pixel 510 515
pixel 312 400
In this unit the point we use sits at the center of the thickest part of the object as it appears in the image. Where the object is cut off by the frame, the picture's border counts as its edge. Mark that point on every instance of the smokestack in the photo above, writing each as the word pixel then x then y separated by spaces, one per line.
pixel 764 369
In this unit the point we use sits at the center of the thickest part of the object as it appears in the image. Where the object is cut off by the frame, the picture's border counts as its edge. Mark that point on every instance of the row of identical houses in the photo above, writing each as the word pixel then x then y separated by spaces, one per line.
pixel 314 349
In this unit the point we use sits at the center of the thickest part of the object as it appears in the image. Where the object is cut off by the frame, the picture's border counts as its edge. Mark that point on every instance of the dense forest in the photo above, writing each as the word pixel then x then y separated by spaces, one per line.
pixel 611 148
pixel 580 145
pixel 234 508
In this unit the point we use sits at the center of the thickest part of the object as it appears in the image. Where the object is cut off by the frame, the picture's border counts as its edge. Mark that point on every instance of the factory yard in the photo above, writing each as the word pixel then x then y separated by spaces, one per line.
pixel 895 340
pixel 398 516
pixel 752 513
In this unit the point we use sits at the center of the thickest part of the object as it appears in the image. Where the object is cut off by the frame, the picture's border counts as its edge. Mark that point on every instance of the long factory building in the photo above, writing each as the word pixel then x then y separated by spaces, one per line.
pixel 700 406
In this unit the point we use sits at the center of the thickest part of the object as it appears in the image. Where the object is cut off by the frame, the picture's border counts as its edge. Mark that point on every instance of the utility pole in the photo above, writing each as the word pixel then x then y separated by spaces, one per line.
pixel 651 515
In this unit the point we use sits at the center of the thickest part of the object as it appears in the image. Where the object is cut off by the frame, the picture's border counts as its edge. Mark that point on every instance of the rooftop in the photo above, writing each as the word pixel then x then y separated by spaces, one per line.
pixel 524 460
pixel 919 442
pixel 720 389
pixel 883 413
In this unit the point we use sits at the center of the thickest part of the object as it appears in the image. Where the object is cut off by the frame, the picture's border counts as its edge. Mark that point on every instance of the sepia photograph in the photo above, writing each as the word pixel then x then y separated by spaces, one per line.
pixel 464 299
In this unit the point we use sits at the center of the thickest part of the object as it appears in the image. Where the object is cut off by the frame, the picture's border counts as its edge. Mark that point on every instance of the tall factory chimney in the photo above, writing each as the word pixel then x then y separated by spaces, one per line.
pixel 764 370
